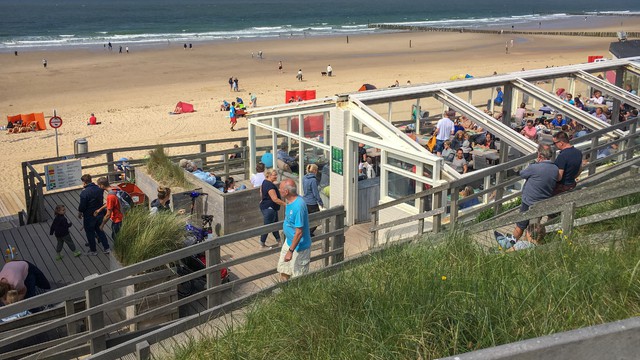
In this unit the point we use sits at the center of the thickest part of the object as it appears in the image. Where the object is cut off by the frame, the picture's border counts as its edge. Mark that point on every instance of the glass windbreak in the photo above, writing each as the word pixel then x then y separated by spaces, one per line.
pixel 287 123
pixel 314 126
pixel 287 156
pixel 264 146
pixel 320 158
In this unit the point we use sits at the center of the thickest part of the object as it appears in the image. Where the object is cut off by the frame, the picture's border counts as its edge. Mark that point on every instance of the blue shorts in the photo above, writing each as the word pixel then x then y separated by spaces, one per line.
pixel 439 145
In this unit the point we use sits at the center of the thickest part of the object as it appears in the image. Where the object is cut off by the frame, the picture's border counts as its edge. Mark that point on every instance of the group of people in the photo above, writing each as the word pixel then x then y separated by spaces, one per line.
pixel 295 252
pixel 233 84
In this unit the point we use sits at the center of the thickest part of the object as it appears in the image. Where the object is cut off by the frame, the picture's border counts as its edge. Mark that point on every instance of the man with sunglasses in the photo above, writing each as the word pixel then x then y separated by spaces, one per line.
pixel 569 163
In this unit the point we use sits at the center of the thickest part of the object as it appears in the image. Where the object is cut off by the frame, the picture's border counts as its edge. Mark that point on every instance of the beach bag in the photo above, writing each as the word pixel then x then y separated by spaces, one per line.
pixel 431 144
pixel 124 200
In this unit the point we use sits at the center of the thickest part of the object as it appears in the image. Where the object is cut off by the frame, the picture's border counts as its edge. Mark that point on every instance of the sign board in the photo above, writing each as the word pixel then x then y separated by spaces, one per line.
pixel 55 122
pixel 63 175
pixel 337 160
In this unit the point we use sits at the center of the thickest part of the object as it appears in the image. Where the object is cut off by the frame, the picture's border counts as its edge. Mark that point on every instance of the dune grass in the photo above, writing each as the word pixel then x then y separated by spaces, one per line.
pixel 164 171
pixel 435 299
pixel 144 236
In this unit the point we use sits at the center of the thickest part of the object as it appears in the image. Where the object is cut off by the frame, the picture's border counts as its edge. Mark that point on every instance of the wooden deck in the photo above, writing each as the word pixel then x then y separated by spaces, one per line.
pixel 10 205
pixel 34 244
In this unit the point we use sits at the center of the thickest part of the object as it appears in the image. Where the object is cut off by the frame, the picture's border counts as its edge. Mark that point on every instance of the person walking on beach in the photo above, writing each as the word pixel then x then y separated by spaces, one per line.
pixel 60 227
pixel 280 66
pixel 112 206
pixel 231 83
pixel 235 84
pixel 91 200
pixel 254 100
pixel 295 253
pixel 329 70
pixel 44 63
pixel 232 115
pixel 110 46
pixel 127 49
pixel 120 51
pixel 299 76
pixel 506 47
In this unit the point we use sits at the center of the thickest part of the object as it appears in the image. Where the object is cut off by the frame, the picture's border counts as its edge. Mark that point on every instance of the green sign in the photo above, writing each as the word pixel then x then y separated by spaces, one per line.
pixel 337 160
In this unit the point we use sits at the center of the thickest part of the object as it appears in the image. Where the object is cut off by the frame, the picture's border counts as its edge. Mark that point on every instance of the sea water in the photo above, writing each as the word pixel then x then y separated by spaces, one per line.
pixel 43 24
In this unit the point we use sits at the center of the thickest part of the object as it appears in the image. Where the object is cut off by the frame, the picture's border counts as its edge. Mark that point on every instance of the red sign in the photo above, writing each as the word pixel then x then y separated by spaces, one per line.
pixel 55 122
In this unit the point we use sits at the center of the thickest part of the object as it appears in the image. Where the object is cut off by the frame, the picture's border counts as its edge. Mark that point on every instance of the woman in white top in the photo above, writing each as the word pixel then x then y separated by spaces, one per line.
pixel 258 177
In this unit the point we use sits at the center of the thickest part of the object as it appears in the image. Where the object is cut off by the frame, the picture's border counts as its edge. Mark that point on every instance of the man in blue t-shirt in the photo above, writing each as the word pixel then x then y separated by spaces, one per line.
pixel 559 121
pixel 569 163
pixel 295 254
pixel 499 97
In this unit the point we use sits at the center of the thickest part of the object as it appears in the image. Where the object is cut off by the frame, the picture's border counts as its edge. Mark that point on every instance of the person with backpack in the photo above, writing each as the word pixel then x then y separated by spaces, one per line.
pixel 115 206
pixel 91 199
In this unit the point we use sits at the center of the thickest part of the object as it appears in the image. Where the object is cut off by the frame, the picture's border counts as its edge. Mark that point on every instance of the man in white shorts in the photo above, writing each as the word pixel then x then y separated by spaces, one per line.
pixel 295 254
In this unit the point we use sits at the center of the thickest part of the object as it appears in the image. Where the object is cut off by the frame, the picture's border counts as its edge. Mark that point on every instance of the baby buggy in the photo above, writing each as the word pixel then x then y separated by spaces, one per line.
pixel 197 262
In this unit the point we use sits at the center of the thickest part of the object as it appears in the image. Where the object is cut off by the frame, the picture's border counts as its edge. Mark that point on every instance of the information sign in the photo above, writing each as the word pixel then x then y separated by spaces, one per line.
pixel 63 175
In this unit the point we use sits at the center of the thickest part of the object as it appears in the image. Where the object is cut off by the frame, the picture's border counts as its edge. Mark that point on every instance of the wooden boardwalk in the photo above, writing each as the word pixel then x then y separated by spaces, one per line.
pixel 10 205
pixel 34 244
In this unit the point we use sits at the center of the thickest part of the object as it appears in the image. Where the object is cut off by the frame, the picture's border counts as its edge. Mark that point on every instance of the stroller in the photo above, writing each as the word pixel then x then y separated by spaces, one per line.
pixel 197 262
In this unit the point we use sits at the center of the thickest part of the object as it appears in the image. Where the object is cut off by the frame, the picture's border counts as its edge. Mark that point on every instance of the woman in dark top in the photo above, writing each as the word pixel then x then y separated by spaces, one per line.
pixel 458 140
pixel 270 204
pixel 490 141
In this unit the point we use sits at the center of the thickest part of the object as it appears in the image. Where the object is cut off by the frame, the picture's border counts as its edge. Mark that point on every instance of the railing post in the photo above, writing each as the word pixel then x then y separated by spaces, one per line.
pixel 453 211
pixel 375 217
pixel 143 350
pixel 421 210
pixel 109 156
pixel 25 184
pixel 437 219
pixel 70 309
pixel 568 213
pixel 338 240
pixel 326 242
pixel 203 150
pixel 245 157
pixel 631 142
pixel 593 155
pixel 213 278
pixel 95 321
pixel 40 203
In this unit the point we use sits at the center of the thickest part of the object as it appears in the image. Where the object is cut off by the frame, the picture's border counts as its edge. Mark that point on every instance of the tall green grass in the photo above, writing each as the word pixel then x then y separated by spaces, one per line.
pixel 163 170
pixel 144 236
pixel 435 299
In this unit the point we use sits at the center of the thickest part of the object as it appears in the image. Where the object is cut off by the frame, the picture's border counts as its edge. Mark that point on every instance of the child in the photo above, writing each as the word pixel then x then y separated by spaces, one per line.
pixel 448 153
pixel 534 235
pixel 60 227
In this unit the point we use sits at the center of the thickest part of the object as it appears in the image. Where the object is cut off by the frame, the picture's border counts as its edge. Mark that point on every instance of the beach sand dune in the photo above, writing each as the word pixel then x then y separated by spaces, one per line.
pixel 132 94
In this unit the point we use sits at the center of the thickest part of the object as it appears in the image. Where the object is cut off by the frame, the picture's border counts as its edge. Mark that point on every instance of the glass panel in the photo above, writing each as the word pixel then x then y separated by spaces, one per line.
pixel 266 121
pixel 287 123
pixel 319 157
pixel 314 125
pixel 399 186
pixel 264 145
pixel 287 155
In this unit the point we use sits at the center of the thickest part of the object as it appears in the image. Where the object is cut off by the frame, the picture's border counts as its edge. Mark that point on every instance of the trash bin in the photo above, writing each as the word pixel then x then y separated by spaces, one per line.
pixel 80 146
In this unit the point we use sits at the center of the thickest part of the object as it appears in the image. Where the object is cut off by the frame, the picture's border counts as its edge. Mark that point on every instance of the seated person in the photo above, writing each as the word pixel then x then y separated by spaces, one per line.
pixel 289 160
pixel 558 121
pixel 529 131
pixel 466 123
pixel 448 153
pixel 267 159
pixel 122 166
pixel 521 113
pixel 225 105
pixel 459 163
pixel 237 155
pixel 612 149
pixel 597 100
pixel 466 198
pixel 489 142
pixel 499 97
pixel 466 147
pixel 534 236
pixel 457 126
pixel 458 140
pixel 580 131
pixel 163 202
pixel 545 109
pixel 208 177
pixel 93 120
pixel 231 186
pixel 599 114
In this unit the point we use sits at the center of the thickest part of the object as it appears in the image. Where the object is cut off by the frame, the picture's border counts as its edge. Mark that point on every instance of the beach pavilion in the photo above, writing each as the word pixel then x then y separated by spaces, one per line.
pixel 394 123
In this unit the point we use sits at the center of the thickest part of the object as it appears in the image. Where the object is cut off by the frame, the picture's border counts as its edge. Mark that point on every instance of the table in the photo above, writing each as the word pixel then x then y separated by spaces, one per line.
pixel 489 154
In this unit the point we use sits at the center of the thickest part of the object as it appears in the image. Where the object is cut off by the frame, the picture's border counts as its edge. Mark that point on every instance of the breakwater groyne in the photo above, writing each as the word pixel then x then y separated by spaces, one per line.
pixel 613 34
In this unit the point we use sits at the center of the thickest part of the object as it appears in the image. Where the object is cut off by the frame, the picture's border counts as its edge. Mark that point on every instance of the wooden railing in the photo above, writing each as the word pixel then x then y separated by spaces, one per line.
pixel 90 291
pixel 217 161
pixel 498 182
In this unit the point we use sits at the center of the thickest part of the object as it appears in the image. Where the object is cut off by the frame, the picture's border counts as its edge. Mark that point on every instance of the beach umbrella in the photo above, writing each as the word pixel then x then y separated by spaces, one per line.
pixel 366 87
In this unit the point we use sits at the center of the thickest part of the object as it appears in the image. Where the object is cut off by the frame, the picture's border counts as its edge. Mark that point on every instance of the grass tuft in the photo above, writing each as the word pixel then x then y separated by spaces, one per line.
pixel 144 236
pixel 436 299
pixel 163 170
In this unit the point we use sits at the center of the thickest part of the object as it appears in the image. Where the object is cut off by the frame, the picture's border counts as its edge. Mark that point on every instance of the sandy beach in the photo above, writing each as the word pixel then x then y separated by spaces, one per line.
pixel 132 94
